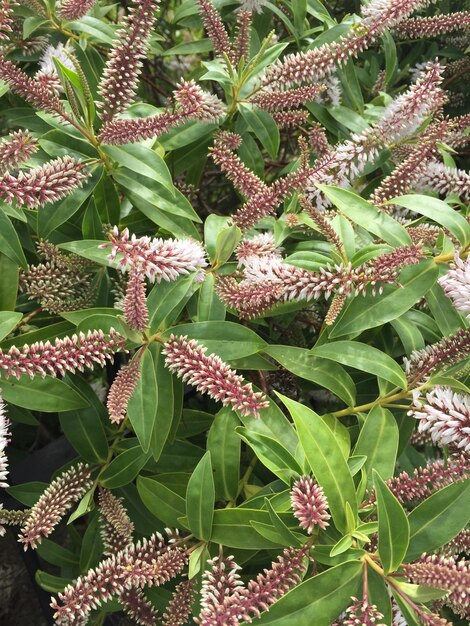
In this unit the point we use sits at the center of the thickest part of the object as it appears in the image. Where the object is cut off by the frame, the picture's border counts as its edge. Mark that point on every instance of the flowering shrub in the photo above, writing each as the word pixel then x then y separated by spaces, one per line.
pixel 235 288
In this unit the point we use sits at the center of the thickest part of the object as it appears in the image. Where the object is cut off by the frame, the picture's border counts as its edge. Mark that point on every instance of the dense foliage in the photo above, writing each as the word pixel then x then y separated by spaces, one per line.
pixel 234 295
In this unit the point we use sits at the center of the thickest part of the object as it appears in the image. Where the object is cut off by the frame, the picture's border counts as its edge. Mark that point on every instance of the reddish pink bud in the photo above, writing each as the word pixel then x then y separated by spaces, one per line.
pixel 209 374
pixel 309 504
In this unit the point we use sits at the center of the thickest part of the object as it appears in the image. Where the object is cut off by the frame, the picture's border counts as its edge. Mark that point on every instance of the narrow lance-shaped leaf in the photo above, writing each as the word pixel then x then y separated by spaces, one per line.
pixel 326 461
pixel 394 528
pixel 200 498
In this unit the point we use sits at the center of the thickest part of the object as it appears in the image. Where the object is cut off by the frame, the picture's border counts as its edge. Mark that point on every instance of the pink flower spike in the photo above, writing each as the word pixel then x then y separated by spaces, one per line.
pixel 209 374
pixel 456 284
pixel 44 184
pixel 15 149
pixel 119 80
pixel 158 259
pixel 4 439
pixel 135 302
pixel 56 500
pixel 445 415
pixel 121 391
pixel 309 504
pixel 64 355
pixel 74 9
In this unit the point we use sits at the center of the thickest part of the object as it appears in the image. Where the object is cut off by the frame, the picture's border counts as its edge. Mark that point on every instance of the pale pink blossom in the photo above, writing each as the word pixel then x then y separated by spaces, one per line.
pixel 309 504
pixel 445 415
pixel 158 259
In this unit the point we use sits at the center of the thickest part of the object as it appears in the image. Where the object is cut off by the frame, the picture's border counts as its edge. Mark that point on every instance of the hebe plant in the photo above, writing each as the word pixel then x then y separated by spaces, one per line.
pixel 234 278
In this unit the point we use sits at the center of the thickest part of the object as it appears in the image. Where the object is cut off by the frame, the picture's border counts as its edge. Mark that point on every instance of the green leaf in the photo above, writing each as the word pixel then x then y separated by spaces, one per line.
pixel 274 424
pixel 421 593
pixel 52 215
pixel 165 402
pixel 318 600
pixel 9 271
pixel 233 528
pixel 390 51
pixel 50 583
pixel 142 160
pixel 209 306
pixel 47 394
pixel 446 316
pixel 164 503
pixel 200 498
pixel 263 126
pixel 438 519
pixel 124 468
pixel 142 405
pixel 85 432
pixel 341 546
pixel 439 211
pixel 326 460
pixel 226 243
pixel 303 363
pixel 10 245
pixel 366 215
pixel 226 339
pixel 8 321
pixel 223 443
pixel 92 545
pixel 89 249
pixel 365 358
pixel 272 454
pixel 378 441
pixel 77 317
pixel 394 528
pixel 27 493
pixel 167 299
pixel 287 535
pixel 155 194
pixel 363 312
pixel 85 505
pixel 56 555
pixel 107 200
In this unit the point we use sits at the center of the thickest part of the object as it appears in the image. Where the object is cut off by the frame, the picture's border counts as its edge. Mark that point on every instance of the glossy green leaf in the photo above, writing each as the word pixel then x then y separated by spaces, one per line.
pixel 165 402
pixel 52 215
pixel 272 454
pixel 167 299
pixel 209 306
pixel 441 307
pixel 85 432
pixel 9 271
pixel 223 443
pixel 164 503
pixel 366 215
pixel 10 244
pixel 394 528
pixel 363 312
pixel 365 358
pixel 124 468
pixel 47 394
pixel 8 321
pixel 326 461
pixel 233 528
pixel 226 339
pixel 142 405
pixel 263 126
pixel 440 212
pixel 324 373
pixel 318 600
pixel 438 519
pixel 378 442
pixel 200 498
